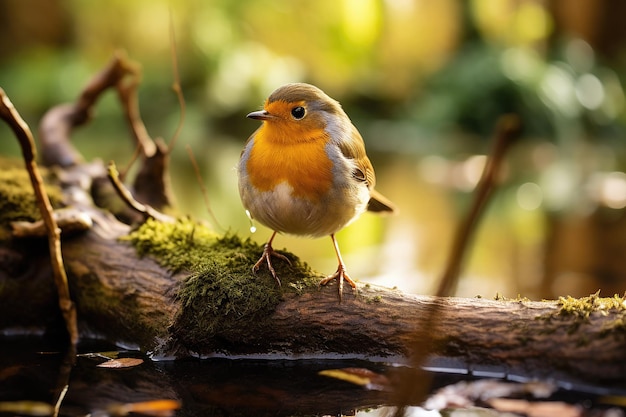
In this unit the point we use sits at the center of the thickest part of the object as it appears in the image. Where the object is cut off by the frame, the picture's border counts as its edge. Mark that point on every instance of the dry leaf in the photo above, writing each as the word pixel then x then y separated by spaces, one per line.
pixel 121 363
pixel 106 355
pixel 156 408
pixel 359 376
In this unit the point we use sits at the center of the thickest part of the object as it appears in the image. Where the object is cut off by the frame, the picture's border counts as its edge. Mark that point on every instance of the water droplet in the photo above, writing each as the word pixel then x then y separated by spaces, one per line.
pixel 252 226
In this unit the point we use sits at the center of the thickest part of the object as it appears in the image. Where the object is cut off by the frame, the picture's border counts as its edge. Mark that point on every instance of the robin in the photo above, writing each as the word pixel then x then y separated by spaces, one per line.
pixel 305 172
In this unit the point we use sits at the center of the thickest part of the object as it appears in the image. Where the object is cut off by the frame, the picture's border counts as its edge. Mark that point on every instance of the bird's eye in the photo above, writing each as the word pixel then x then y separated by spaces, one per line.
pixel 298 112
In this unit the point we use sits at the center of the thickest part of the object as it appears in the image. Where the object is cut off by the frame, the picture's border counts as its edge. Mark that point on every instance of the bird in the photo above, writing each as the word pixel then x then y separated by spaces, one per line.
pixel 305 172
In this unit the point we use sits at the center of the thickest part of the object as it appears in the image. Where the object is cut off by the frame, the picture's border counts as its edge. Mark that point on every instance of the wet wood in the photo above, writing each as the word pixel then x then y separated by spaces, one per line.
pixel 132 300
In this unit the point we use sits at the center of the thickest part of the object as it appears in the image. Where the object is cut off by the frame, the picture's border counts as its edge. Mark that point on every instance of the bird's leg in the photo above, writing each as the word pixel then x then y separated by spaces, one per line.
pixel 340 275
pixel 268 252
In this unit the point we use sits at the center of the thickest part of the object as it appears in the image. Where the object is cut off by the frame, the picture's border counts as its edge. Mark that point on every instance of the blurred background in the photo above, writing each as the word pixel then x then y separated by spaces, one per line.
pixel 424 81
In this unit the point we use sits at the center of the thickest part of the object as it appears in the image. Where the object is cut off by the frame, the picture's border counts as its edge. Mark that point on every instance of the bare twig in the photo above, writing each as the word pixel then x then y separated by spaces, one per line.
pixel 122 191
pixel 57 405
pixel 21 130
pixel 127 93
pixel 151 185
pixel 507 130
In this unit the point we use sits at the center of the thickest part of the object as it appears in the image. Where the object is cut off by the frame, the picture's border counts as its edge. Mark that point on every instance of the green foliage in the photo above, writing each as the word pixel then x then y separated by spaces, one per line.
pixel 473 90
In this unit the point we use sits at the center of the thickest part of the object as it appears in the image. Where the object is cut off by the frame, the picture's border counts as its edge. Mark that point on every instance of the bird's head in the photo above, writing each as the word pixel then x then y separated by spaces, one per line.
pixel 299 112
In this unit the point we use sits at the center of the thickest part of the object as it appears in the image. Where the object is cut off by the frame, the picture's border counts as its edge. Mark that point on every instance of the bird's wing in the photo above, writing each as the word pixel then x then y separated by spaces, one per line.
pixel 355 150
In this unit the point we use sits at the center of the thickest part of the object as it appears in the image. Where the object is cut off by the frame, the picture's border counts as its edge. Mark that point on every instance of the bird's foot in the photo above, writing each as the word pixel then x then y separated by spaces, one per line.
pixel 340 275
pixel 268 252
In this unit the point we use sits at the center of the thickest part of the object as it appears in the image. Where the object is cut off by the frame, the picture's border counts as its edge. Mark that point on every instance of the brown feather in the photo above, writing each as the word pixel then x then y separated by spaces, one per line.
pixel 355 149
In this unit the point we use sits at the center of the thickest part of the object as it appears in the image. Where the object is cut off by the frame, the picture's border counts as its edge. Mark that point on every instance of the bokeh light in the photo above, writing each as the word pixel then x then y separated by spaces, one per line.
pixel 424 82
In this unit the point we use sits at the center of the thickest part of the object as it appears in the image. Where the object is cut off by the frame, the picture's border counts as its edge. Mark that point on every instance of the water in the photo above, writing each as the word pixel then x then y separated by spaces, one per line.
pixel 34 369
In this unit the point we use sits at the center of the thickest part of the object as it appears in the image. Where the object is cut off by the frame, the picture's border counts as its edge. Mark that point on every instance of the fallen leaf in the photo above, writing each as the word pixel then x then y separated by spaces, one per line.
pixel 359 376
pixel 106 355
pixel 121 363
pixel 155 408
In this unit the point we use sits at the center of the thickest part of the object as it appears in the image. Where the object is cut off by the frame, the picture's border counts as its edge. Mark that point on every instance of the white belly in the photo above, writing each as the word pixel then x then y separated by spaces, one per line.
pixel 279 210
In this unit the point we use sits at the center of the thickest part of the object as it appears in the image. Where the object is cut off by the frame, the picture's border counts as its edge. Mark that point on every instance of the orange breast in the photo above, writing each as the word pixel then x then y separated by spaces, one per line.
pixel 276 157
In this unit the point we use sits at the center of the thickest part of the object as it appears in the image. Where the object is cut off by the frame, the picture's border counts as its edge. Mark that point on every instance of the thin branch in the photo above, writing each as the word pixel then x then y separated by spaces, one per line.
pixel 57 405
pixel 507 130
pixel 151 184
pixel 127 93
pixel 128 198
pixel 25 138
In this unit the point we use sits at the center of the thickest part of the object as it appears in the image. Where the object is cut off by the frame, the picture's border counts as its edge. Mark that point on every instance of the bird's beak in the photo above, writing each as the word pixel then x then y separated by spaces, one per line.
pixel 260 115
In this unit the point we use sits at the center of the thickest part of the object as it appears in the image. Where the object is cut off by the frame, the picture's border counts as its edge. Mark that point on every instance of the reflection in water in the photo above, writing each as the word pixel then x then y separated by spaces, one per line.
pixel 32 369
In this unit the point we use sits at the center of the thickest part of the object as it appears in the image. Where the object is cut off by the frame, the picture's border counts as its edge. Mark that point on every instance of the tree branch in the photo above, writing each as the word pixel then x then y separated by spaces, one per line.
pixel 144 306
pixel 27 143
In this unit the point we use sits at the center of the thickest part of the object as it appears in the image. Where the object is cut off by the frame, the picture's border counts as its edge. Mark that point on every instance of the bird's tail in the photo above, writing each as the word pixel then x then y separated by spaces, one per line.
pixel 380 204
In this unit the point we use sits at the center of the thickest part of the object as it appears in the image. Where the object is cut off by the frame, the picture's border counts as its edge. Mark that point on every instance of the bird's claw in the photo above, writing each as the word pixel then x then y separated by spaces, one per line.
pixel 340 275
pixel 268 252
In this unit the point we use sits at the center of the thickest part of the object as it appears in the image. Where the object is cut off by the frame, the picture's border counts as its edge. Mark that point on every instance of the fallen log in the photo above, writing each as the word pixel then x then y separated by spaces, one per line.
pixel 214 313
pixel 145 289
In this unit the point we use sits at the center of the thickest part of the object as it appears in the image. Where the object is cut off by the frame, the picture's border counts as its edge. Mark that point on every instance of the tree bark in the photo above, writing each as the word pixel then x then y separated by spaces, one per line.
pixel 133 300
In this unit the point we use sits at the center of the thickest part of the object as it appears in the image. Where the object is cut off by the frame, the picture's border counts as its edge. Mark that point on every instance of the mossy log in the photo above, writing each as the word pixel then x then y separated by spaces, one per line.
pixel 176 289
pixel 125 291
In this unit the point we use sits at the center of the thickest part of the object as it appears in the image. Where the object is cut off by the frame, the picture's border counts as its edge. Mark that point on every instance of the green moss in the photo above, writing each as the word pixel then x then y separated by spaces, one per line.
pixel 500 297
pixel 182 245
pixel 582 308
pixel 374 299
pixel 574 312
pixel 221 291
pixel 17 198
pixel 585 306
